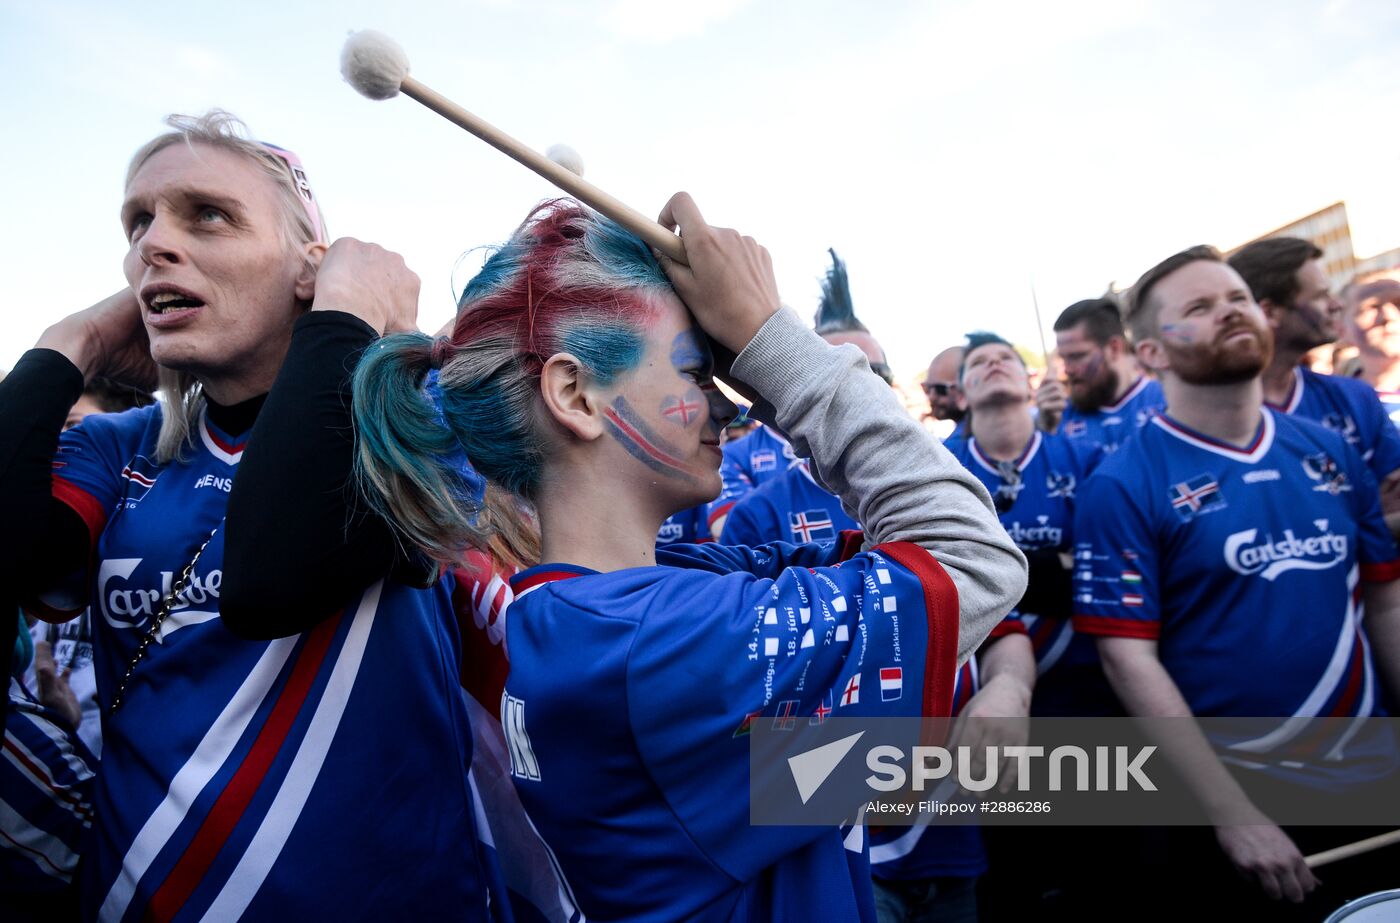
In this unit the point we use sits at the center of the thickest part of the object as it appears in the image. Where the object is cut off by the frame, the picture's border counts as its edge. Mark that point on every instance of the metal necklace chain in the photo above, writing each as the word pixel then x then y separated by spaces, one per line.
pixel 162 613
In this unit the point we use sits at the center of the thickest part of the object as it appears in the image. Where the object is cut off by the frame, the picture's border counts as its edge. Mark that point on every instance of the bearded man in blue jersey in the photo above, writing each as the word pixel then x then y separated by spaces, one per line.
pixel 1109 396
pixel 1287 277
pixel 1225 581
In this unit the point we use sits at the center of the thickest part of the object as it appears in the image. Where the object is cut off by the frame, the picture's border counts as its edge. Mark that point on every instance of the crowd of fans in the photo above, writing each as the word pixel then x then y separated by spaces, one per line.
pixel 424 651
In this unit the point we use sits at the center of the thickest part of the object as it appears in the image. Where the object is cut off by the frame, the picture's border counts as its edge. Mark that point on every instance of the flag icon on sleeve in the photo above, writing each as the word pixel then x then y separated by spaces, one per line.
pixel 891 683
pixel 852 694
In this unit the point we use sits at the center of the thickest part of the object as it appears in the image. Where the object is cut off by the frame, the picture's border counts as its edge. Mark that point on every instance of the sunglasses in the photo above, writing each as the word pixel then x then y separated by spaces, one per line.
pixel 941 388
pixel 884 371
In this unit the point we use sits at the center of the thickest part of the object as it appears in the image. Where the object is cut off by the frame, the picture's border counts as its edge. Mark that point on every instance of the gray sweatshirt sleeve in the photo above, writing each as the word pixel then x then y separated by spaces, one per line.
pixel 890 473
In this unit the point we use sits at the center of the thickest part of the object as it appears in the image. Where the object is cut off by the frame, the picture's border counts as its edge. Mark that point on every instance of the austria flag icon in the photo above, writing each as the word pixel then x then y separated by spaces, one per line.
pixel 891 683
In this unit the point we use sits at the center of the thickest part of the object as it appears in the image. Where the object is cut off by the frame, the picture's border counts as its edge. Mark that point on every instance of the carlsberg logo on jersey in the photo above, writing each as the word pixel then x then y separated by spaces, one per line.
pixel 126 606
pixel 1037 535
pixel 1273 556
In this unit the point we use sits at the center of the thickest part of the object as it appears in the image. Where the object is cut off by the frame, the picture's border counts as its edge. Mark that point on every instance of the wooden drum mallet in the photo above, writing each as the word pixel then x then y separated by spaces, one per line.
pixel 377 67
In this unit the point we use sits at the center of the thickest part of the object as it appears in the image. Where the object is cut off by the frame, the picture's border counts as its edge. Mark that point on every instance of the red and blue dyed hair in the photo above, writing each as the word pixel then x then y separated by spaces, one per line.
pixel 568 281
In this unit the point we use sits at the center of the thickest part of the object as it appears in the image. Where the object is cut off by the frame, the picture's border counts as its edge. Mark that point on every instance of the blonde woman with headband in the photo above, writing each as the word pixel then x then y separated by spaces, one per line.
pixel 320 775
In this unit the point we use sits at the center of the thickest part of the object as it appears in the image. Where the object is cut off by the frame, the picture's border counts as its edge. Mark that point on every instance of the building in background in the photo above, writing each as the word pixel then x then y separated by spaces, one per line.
pixel 1329 229
pixel 1389 259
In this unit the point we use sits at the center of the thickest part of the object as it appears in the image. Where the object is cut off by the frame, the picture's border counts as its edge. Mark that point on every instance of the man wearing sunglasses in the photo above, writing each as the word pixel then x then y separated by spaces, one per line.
pixel 945 398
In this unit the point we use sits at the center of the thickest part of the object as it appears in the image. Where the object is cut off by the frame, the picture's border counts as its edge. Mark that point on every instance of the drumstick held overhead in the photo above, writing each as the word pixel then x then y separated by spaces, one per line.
pixel 377 67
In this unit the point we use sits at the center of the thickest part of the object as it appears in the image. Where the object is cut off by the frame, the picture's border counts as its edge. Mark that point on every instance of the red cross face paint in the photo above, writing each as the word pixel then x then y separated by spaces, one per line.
pixel 685 409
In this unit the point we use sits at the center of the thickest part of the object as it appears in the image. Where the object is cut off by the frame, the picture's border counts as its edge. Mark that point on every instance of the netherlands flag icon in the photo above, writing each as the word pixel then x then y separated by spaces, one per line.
pixel 891 683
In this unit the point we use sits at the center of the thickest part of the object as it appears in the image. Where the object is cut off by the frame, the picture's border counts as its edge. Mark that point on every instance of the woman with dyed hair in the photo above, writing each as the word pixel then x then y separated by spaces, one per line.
pixel 319 775
pixel 578 378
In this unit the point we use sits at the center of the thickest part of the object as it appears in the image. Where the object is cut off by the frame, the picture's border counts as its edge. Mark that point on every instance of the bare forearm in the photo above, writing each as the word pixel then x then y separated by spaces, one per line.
pixel 1147 690
pixel 1382 626
pixel 1008 663
pixel 1257 848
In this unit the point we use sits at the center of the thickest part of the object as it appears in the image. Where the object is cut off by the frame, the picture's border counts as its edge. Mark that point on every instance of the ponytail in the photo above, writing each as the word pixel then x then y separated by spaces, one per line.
pixel 412 468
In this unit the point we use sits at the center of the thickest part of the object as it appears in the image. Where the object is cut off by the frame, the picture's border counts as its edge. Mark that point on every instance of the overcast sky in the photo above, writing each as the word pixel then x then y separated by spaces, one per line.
pixel 950 151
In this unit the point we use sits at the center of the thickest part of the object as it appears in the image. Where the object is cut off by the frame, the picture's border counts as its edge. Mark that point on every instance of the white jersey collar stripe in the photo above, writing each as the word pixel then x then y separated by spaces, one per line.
pixel 212 444
pixel 1027 454
pixel 1133 392
pixel 1295 394
pixel 1263 442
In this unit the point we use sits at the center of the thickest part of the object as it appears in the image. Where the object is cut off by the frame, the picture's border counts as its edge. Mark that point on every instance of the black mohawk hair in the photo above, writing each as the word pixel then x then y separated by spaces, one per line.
pixel 836 312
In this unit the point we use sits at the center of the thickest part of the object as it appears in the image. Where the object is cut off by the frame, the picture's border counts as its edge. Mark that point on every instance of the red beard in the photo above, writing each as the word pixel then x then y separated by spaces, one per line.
pixel 1220 362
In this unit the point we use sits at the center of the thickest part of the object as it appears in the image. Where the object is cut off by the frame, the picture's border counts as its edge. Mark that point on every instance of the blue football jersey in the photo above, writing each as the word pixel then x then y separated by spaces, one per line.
pixel 1109 426
pixel 1351 408
pixel 72 654
pixel 46 780
pixel 789 508
pixel 794 508
pixel 688 527
pixel 1245 565
pixel 749 461
pixel 1035 500
pixel 322 775
pixel 631 695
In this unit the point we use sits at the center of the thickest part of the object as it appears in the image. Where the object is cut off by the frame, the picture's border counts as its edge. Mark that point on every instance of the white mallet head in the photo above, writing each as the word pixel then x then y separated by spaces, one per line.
pixel 374 64
pixel 566 157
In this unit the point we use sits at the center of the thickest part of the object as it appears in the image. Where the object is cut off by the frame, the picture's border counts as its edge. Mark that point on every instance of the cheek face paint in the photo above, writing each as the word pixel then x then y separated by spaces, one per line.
pixel 682 410
pixel 1177 333
pixel 626 426
pixel 1093 367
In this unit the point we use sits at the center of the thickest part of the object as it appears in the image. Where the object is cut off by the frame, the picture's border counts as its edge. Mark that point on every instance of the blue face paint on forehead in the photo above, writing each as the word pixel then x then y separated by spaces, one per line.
pixel 689 350
pixel 608 350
